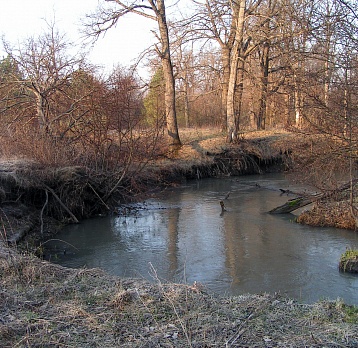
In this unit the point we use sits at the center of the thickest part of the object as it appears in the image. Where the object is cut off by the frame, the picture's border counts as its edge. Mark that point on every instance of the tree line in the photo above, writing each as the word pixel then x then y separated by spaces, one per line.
pixel 239 65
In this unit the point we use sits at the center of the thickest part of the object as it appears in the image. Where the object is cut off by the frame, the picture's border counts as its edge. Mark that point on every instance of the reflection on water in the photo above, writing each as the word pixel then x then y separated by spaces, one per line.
pixel 184 236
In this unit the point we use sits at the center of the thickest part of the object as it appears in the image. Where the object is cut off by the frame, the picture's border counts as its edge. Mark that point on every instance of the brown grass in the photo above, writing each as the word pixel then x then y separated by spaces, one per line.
pixel 333 214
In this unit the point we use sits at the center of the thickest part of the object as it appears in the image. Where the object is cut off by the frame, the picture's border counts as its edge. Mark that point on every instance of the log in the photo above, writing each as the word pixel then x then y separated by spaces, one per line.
pixel 302 201
pixel 20 233
pixel 293 204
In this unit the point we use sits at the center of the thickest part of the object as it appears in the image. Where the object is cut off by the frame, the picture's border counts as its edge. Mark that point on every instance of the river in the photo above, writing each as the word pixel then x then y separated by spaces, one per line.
pixel 181 235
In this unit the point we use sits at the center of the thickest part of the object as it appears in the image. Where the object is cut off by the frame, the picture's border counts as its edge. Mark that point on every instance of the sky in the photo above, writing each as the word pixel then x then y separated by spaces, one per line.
pixel 21 19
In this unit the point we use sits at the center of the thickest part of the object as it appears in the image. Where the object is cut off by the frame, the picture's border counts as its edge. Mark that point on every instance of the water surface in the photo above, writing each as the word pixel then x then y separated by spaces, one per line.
pixel 183 236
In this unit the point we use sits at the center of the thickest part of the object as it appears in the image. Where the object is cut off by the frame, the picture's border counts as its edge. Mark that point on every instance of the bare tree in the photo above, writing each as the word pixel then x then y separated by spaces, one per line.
pixel 241 49
pixel 215 21
pixel 46 69
pixel 224 22
pixel 106 18
pixel 184 63
pixel 293 25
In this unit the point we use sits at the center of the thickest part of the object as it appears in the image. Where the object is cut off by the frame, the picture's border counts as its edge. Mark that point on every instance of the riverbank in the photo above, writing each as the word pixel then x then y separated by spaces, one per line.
pixel 43 304
pixel 34 197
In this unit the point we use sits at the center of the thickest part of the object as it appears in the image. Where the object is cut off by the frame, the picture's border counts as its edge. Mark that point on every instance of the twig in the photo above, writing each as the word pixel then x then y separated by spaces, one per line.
pixel 155 275
pixel 62 204
pixel 42 211
pixel 99 197
pixel 109 194
pixel 58 240
pixel 242 328
pixel 4 234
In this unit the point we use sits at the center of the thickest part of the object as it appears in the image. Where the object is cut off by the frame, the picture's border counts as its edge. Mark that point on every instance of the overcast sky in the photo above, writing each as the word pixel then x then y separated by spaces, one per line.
pixel 20 19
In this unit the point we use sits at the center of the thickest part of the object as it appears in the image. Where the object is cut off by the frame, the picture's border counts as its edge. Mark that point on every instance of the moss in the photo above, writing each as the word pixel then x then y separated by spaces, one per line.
pixel 294 202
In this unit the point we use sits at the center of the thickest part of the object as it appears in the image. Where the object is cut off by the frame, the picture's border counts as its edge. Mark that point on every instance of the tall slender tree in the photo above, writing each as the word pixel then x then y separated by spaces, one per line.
pixel 241 49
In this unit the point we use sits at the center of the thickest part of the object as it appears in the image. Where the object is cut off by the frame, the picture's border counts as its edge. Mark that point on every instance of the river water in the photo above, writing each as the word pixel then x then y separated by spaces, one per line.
pixel 182 235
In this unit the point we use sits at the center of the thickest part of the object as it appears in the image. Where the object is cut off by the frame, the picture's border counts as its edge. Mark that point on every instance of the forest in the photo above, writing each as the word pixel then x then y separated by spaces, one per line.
pixel 238 66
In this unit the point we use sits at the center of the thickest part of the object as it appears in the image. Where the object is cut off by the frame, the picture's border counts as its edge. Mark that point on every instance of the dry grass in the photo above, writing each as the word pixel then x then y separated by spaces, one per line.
pixel 207 147
pixel 333 214
pixel 197 143
pixel 45 305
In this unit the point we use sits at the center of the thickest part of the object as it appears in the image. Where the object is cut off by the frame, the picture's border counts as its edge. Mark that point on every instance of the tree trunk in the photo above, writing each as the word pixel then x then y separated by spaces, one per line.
pixel 261 118
pixel 186 103
pixel 234 98
pixel 293 205
pixel 239 93
pixel 230 109
pixel 225 58
pixel 41 111
pixel 236 56
pixel 297 102
pixel 171 117
pixel 300 202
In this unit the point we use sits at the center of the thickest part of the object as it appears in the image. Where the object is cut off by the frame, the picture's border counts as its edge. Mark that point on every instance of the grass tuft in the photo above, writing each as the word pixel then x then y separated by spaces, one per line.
pixel 349 261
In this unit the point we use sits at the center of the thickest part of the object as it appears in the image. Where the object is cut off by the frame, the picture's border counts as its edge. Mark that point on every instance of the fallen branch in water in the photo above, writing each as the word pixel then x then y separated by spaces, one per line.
pixel 294 204
pixel 302 201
